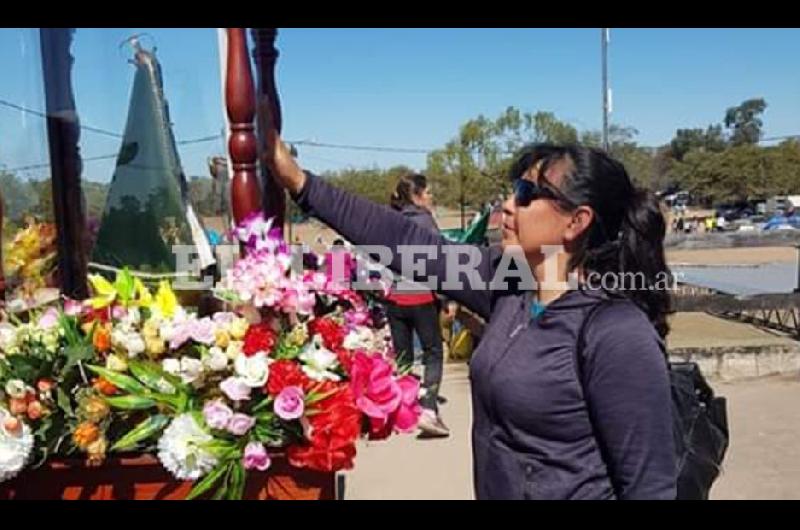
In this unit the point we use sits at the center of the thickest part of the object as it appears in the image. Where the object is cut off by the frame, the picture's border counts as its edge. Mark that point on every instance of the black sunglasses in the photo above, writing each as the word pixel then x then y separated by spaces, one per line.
pixel 527 191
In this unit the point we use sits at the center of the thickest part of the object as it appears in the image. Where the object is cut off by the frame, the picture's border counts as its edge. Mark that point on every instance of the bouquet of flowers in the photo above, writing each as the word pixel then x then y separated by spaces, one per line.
pixel 31 260
pixel 296 364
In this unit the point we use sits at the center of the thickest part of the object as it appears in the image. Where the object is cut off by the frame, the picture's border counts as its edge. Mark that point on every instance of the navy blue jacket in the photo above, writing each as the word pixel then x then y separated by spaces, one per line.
pixel 535 435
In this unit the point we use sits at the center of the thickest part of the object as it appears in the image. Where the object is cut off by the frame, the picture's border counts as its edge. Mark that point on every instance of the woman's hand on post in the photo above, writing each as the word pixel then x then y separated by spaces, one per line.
pixel 281 163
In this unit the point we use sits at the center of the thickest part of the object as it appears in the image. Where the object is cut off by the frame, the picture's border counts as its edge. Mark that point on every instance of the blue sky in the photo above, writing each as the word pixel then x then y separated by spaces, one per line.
pixel 412 88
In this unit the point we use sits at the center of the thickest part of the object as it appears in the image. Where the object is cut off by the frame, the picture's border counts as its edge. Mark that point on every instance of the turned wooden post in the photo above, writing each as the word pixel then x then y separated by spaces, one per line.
pixel 63 135
pixel 265 56
pixel 2 275
pixel 240 103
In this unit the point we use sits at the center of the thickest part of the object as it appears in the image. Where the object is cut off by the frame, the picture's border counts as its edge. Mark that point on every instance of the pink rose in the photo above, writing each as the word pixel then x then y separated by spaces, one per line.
pixel 49 319
pixel 356 318
pixel 217 414
pixel 405 418
pixel 256 457
pixel 73 308
pixel 409 411
pixel 240 423
pixel 377 393
pixel 235 388
pixel 289 403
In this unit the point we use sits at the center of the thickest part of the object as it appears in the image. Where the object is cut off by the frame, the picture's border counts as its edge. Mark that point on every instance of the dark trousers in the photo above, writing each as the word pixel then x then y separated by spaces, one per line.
pixel 424 319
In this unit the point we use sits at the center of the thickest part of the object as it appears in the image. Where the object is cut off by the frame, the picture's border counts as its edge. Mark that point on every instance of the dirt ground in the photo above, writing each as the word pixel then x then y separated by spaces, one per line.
pixel 763 461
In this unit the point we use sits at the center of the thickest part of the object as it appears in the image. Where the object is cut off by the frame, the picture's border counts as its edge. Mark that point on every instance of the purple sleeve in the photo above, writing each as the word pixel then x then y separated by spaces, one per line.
pixel 628 394
pixel 366 223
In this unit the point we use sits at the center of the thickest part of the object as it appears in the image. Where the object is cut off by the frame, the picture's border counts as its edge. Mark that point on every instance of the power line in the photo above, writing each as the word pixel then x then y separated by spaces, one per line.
pixel 311 143
pixel 97 129
pixel 44 115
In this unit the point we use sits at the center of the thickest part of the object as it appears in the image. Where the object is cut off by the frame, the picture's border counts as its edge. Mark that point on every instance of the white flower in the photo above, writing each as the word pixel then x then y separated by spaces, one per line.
pixel 8 337
pixel 238 328
pixel 317 361
pixel 189 369
pixel 15 447
pixel 253 370
pixel 360 338
pixel 16 388
pixel 216 360
pixel 129 340
pixel 115 363
pixel 131 318
pixel 180 449
pixel 234 349
pixel 166 331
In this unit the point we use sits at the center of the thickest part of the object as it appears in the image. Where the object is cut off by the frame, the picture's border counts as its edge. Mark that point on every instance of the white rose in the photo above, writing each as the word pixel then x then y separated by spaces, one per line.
pixel 317 362
pixel 358 339
pixel 16 389
pixel 191 370
pixel 234 349
pixel 132 317
pixel 216 360
pixel 253 370
pixel 135 344
pixel 8 336
pixel 171 366
pixel 166 330
pixel 115 363
pixel 238 328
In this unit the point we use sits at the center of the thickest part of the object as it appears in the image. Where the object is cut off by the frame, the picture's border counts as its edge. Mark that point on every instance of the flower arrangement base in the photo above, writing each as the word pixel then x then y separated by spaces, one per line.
pixel 143 478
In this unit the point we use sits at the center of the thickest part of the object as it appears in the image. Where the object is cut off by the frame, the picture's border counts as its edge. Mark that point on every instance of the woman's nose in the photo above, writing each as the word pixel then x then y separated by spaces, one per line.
pixel 508 205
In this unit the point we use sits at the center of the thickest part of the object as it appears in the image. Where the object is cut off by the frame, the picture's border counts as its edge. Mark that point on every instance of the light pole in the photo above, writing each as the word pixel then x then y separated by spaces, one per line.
pixel 604 36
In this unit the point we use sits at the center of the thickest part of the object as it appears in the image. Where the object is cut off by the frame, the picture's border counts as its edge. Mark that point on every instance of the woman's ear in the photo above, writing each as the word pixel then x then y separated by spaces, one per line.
pixel 580 222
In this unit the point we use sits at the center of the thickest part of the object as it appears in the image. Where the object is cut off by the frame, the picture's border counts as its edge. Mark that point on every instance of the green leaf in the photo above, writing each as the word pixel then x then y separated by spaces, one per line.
pixel 314 397
pixel 120 380
pixel 24 367
pixel 63 401
pixel 262 405
pixel 130 402
pixel 222 449
pixel 236 488
pixel 124 285
pixel 75 354
pixel 207 482
pixel 152 375
pixel 223 489
pixel 142 431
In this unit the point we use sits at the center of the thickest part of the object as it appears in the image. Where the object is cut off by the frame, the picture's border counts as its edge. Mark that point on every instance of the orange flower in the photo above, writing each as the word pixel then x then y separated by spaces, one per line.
pixel 96 451
pixel 35 410
pixel 12 425
pixel 85 434
pixel 45 385
pixel 94 409
pixel 102 339
pixel 104 386
pixel 18 406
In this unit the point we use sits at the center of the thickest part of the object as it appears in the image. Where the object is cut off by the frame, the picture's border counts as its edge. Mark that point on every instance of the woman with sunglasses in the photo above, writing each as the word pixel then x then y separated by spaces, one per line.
pixel 570 389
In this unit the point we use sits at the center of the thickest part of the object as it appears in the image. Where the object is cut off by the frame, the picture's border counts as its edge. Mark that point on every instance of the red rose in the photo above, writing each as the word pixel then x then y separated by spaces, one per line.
pixel 334 431
pixel 345 358
pixel 259 337
pixel 332 333
pixel 285 373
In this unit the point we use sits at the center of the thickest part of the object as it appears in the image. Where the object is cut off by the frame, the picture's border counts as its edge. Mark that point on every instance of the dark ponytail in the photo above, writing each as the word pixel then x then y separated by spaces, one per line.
pixel 626 238
pixel 642 250
pixel 407 187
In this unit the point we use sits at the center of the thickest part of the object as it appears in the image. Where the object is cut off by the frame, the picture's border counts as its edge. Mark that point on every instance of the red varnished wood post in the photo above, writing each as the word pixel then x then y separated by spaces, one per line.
pixel 2 275
pixel 240 102
pixel 265 55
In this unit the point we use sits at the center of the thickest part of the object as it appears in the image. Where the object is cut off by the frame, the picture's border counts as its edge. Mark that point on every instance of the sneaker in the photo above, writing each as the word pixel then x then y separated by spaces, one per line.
pixel 432 426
